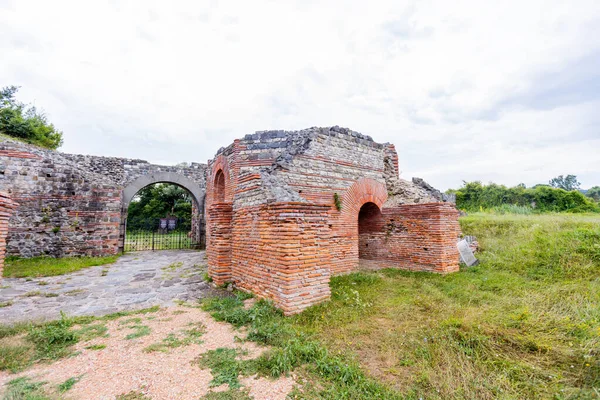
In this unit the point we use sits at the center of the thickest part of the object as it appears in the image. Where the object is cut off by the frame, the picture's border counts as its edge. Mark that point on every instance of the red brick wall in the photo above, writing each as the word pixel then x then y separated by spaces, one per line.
pixel 344 241
pixel 419 237
pixel 7 207
pixel 220 238
pixel 280 251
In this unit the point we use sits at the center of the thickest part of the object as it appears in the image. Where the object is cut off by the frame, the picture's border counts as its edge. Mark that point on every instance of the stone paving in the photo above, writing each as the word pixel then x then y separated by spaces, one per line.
pixel 136 280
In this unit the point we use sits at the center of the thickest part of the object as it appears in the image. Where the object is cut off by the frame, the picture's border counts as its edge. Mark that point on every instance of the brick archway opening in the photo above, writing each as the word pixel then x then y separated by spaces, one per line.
pixel 370 223
pixel 219 188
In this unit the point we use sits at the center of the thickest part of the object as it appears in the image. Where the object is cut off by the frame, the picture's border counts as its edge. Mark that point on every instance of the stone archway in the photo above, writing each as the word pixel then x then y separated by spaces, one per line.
pixel 197 194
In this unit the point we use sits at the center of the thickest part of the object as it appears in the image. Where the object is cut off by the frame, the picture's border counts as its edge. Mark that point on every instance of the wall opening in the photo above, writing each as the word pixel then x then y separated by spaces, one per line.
pixel 162 216
pixel 219 189
pixel 370 223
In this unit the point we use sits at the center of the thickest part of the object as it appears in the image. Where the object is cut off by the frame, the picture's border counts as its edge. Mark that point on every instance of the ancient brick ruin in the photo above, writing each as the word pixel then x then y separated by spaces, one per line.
pixel 284 211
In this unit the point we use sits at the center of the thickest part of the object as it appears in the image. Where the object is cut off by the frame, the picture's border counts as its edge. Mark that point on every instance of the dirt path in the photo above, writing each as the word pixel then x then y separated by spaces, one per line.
pixel 112 365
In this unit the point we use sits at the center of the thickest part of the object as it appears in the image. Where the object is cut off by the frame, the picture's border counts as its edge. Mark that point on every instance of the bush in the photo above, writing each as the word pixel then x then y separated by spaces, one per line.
pixel 26 124
pixel 474 196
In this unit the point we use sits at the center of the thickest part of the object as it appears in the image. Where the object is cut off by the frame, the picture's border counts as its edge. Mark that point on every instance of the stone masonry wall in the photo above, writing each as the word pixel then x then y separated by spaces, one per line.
pixel 7 207
pixel 71 205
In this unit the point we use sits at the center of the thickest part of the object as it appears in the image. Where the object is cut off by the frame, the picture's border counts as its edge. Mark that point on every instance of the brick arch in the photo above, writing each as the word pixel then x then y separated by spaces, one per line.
pixel 361 192
pixel 221 164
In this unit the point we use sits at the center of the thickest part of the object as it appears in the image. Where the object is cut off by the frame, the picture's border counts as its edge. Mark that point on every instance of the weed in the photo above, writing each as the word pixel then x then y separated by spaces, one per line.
pixel 89 332
pixel 130 321
pixel 68 384
pixel 187 337
pixel 224 367
pixel 43 283
pixel 133 396
pixel 96 347
pixel 74 292
pixel 140 331
pixel 6 304
pixel 231 394
pixel 15 355
pixel 34 293
pixel 52 340
pixel 25 389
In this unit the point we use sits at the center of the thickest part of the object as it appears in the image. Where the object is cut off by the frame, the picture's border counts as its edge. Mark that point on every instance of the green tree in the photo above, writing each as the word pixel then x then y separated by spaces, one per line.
pixel 594 193
pixel 26 122
pixel 567 183
pixel 159 201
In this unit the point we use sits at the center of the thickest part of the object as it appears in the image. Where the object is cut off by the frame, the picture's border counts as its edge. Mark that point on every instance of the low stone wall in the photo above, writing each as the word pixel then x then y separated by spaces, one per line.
pixel 420 237
pixel 7 207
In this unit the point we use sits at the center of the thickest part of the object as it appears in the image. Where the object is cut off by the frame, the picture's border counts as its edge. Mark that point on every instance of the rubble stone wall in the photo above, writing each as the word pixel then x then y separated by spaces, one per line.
pixel 71 205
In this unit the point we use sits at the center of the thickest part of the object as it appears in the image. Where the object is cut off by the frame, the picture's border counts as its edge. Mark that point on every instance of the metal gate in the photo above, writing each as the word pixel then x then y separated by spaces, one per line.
pixel 162 234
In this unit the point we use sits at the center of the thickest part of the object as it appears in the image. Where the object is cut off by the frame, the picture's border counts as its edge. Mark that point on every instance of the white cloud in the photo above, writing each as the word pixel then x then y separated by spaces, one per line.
pixel 466 90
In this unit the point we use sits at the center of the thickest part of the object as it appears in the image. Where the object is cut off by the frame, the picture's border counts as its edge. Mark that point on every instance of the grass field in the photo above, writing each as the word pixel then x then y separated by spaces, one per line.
pixel 37 267
pixel 524 324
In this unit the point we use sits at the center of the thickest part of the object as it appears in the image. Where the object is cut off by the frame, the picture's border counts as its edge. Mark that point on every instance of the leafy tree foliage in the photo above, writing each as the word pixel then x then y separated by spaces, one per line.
pixel 25 122
pixel 475 196
pixel 159 201
pixel 594 193
pixel 567 183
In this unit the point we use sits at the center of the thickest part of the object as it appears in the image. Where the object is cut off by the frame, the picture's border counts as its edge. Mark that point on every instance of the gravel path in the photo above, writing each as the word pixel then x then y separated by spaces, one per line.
pixel 136 280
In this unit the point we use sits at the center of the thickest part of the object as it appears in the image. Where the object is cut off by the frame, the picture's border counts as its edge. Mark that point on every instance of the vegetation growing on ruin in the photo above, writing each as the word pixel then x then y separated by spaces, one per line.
pixel 525 323
pixel 37 267
pixel 26 123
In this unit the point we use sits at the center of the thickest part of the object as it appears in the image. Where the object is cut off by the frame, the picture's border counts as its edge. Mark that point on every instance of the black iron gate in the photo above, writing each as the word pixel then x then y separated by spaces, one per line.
pixel 162 234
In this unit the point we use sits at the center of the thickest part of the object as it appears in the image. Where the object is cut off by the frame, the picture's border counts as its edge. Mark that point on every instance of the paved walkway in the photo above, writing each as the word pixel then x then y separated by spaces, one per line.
pixel 136 280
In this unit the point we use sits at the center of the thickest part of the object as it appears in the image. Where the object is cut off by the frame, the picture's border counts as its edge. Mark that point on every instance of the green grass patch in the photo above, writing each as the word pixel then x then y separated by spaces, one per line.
pixel 47 266
pixel 96 347
pixel 185 338
pixel 224 366
pixel 231 394
pixel 68 384
pixel 6 304
pixel 139 331
pixel 25 389
pixel 89 332
pixel 133 396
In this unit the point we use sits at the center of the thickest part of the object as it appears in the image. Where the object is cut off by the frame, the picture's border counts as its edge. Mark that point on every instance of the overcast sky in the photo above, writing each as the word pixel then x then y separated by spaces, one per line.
pixel 467 90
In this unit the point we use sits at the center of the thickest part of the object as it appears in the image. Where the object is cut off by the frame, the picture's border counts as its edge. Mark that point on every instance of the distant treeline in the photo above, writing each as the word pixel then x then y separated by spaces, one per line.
pixel 475 196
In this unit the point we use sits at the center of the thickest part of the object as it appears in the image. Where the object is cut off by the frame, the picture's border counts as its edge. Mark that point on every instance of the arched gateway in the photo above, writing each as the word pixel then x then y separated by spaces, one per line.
pixel 76 205
pixel 197 194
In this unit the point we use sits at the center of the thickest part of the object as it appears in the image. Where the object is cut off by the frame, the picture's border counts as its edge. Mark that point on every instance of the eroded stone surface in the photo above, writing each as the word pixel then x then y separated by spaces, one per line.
pixel 136 280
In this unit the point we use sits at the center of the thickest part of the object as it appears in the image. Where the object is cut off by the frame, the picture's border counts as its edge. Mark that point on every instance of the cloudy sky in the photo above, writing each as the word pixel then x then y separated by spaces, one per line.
pixel 467 90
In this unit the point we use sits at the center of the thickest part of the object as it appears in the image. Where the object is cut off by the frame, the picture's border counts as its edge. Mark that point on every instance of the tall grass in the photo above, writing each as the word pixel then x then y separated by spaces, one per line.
pixel 525 323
